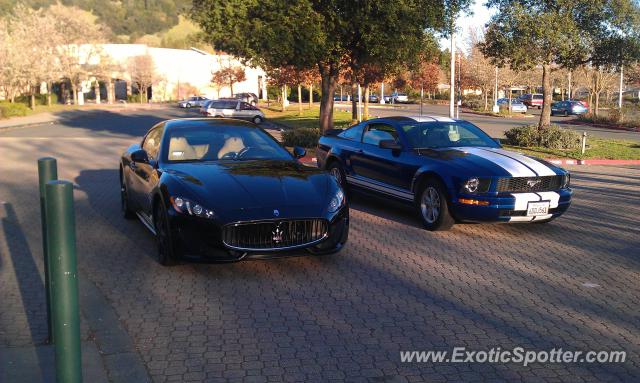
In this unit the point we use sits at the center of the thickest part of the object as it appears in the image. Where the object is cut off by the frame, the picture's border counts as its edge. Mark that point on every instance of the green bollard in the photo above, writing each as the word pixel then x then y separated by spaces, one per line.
pixel 61 245
pixel 47 171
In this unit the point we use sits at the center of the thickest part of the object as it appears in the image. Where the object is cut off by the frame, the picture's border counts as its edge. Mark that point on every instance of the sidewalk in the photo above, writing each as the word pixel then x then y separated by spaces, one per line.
pixel 108 352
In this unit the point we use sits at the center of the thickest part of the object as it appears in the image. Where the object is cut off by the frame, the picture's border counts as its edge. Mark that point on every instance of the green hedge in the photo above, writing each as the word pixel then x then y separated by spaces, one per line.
pixel 13 109
pixel 304 137
pixel 552 137
pixel 41 99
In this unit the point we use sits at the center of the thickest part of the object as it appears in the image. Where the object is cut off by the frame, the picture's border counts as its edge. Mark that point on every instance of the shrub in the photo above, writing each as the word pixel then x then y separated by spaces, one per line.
pixel 41 99
pixel 305 137
pixel 133 98
pixel 13 109
pixel 522 136
pixel 552 137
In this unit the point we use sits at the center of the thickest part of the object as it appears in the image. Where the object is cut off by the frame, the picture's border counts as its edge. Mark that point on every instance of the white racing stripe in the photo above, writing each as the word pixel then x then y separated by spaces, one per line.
pixel 538 167
pixel 514 167
pixel 523 199
pixel 552 197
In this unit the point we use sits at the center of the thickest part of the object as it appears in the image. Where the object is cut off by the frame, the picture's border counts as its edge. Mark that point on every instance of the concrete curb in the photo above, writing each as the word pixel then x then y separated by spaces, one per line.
pixel 594 161
pixel 556 161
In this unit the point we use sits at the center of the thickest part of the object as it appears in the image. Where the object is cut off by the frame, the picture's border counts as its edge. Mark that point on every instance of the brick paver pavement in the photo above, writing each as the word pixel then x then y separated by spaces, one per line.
pixel 344 317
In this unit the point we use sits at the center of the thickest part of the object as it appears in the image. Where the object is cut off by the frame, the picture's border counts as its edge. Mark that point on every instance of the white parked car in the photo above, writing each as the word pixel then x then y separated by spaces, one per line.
pixel 193 102
pixel 233 109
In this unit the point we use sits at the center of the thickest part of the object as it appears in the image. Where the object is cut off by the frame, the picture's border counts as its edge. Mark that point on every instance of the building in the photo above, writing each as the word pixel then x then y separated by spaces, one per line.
pixel 178 73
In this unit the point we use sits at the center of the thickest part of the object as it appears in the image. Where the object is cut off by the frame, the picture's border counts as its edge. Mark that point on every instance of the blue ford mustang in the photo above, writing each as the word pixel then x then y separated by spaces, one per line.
pixel 450 169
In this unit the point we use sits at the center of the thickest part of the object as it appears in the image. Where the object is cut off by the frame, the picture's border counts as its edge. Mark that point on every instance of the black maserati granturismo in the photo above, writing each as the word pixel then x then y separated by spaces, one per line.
pixel 225 190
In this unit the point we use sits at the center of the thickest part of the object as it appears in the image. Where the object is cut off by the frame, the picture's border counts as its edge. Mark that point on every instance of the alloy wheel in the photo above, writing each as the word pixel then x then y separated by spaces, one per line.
pixel 430 204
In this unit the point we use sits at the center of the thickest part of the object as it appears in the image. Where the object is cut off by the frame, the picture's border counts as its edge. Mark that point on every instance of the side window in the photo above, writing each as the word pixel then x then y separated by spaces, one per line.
pixel 378 132
pixel 353 134
pixel 151 142
pixel 245 106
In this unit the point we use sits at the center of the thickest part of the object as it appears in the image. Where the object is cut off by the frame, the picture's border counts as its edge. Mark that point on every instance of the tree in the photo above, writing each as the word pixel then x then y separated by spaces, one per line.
pixel 228 76
pixel 283 76
pixel 75 41
pixel 314 33
pixel 526 33
pixel 143 73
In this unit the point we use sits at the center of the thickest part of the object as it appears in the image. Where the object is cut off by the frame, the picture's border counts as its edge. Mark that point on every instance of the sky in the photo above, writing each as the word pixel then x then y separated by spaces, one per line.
pixel 477 19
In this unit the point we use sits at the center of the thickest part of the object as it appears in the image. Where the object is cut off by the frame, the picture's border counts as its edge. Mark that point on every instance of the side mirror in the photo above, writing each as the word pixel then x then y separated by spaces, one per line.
pixel 140 155
pixel 389 144
pixel 299 152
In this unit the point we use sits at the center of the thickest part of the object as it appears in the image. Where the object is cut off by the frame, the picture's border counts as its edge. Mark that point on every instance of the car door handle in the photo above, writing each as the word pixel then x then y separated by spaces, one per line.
pixel 359 151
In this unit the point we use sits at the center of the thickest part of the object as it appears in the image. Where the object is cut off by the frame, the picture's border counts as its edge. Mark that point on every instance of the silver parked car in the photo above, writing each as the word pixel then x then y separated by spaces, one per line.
pixel 517 106
pixel 233 109
pixel 193 102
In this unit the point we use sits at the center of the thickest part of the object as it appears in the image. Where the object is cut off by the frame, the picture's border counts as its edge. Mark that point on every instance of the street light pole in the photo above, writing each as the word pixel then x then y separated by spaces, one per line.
pixel 452 67
pixel 621 87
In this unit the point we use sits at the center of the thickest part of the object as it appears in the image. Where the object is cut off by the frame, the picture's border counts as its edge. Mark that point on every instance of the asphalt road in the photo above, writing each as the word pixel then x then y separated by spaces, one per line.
pixel 495 126
pixel 571 284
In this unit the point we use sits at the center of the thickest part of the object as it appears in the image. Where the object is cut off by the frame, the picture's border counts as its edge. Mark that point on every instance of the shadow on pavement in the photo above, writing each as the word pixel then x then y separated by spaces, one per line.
pixel 30 285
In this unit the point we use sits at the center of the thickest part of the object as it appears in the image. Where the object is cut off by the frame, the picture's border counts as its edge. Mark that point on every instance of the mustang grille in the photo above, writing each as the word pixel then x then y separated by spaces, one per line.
pixel 276 234
pixel 529 184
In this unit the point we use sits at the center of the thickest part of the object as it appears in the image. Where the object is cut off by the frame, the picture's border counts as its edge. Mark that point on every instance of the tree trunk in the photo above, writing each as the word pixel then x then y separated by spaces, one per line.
pixel 111 92
pixel 49 90
pixel 545 114
pixel 354 100
pixel 486 99
pixel 75 93
pixel 596 107
pixel 141 93
pixel 329 76
pixel 96 90
pixel 365 113
pixel 300 99
pixel 33 98
pixel 310 96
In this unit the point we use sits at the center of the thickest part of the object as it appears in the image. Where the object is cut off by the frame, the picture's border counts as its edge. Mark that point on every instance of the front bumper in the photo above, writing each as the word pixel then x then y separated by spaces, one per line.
pixel 510 207
pixel 199 239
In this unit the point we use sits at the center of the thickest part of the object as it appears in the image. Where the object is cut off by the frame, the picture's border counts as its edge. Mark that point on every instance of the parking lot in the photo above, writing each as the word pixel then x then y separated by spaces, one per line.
pixel 571 284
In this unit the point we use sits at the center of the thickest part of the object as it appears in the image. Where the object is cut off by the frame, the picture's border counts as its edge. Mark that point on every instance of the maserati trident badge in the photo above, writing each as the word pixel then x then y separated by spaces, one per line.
pixel 276 213
pixel 277 234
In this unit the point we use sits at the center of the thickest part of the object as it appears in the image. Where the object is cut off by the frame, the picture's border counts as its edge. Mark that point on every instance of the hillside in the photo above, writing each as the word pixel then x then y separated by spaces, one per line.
pixel 131 20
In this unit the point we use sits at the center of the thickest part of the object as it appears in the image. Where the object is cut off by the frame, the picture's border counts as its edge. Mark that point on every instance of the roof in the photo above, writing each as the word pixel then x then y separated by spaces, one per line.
pixel 428 118
pixel 203 121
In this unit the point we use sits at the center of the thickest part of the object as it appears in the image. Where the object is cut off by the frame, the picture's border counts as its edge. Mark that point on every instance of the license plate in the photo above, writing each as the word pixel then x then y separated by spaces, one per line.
pixel 537 208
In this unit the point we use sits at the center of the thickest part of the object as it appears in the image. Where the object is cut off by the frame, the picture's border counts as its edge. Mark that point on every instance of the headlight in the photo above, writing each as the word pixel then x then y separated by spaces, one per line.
pixel 336 201
pixel 566 180
pixel 476 185
pixel 185 206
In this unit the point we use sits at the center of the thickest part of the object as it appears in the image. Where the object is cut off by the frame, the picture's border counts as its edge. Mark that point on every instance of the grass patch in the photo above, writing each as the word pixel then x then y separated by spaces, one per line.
pixel 310 118
pixel 596 148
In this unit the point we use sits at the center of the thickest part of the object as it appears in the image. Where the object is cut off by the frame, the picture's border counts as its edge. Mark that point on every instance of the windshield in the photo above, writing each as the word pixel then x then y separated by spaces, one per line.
pixel 446 135
pixel 221 143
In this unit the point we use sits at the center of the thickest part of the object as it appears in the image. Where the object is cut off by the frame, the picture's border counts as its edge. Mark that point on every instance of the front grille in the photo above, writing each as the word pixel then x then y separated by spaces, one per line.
pixel 529 184
pixel 273 235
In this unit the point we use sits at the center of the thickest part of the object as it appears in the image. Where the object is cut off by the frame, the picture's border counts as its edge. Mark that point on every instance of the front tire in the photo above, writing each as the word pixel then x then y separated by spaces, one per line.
pixel 257 120
pixel 125 208
pixel 166 249
pixel 188 106
pixel 433 206
pixel 336 170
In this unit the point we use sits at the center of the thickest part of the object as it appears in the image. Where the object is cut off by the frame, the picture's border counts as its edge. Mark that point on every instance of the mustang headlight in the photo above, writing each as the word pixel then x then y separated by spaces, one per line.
pixel 337 201
pixel 476 185
pixel 566 180
pixel 186 206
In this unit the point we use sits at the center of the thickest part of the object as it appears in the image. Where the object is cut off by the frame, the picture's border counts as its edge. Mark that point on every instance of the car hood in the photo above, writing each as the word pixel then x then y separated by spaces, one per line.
pixel 489 162
pixel 249 185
